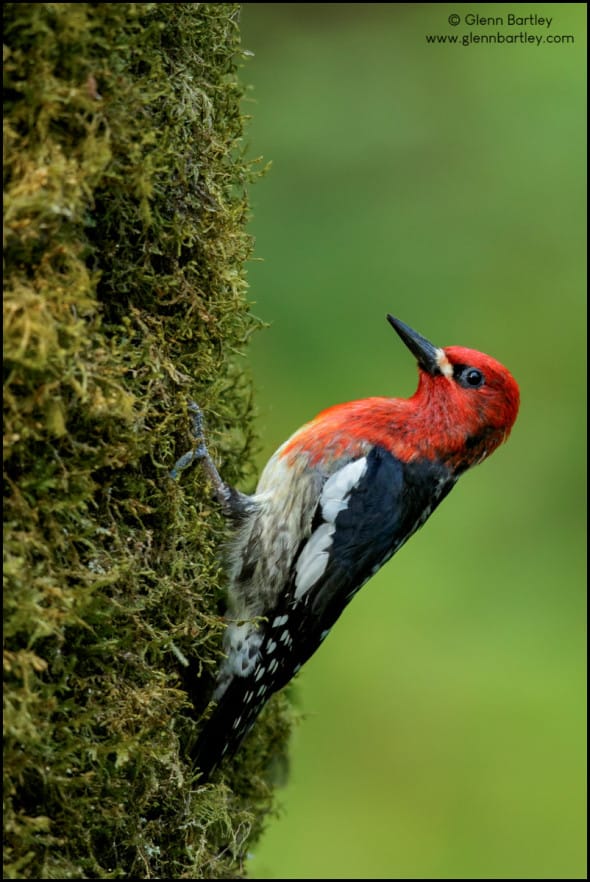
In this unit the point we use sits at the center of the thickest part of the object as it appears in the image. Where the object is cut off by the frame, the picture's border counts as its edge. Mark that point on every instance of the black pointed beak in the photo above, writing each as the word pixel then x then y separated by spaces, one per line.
pixel 425 353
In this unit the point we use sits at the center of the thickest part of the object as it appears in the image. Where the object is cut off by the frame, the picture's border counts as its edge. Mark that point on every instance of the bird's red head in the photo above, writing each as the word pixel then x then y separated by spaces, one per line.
pixel 465 406
pixel 466 402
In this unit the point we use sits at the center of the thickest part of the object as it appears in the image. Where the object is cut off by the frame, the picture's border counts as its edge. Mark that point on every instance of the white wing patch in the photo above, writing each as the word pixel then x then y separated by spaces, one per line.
pixel 313 560
pixel 334 496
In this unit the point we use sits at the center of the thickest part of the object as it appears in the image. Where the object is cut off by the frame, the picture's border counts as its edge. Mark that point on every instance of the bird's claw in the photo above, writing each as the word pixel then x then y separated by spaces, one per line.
pixel 198 452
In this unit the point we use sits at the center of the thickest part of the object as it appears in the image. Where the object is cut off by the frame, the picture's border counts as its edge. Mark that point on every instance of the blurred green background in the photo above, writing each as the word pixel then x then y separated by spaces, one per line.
pixel 444 729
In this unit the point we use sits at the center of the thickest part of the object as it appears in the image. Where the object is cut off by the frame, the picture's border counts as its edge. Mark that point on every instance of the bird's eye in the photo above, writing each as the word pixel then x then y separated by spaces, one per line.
pixel 472 378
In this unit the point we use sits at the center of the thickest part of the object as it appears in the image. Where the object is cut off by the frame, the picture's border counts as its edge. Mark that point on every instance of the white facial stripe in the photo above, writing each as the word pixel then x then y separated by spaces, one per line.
pixel 444 365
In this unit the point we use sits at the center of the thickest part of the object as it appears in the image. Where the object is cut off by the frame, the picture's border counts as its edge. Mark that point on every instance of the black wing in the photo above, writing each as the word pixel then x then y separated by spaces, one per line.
pixel 385 506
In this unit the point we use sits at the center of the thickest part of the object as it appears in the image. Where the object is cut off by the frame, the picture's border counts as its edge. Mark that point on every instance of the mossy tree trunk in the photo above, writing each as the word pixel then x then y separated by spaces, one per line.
pixel 125 297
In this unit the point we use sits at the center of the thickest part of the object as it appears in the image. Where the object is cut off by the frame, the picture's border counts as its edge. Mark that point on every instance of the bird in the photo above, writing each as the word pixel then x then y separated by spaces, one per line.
pixel 333 504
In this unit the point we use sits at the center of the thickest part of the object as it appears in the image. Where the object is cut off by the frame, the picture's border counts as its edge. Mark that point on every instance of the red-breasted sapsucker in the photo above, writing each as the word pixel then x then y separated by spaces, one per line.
pixel 333 504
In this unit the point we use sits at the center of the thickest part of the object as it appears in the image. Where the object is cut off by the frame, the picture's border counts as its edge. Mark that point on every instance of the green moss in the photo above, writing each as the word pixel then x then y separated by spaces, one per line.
pixel 125 187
